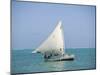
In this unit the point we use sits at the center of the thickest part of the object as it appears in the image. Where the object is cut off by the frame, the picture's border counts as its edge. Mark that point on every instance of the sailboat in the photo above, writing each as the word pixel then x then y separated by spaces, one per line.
pixel 53 48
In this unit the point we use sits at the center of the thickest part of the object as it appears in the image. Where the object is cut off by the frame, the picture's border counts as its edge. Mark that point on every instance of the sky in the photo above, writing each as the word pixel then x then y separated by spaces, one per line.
pixel 33 22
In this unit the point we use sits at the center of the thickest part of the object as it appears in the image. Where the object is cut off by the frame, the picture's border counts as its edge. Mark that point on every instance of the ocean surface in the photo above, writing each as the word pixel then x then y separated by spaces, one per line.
pixel 23 61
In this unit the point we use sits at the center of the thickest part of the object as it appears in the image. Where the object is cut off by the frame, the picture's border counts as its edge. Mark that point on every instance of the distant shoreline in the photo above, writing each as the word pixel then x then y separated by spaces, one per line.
pixel 65 48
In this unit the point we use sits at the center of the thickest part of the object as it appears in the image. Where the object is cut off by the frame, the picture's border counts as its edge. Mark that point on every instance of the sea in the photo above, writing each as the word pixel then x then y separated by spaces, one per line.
pixel 24 61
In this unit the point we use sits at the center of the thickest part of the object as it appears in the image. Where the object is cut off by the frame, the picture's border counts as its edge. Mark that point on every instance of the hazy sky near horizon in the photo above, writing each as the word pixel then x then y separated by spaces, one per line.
pixel 33 22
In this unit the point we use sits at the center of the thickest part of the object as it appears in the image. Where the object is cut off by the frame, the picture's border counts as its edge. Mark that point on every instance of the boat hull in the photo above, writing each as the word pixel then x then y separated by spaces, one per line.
pixel 62 58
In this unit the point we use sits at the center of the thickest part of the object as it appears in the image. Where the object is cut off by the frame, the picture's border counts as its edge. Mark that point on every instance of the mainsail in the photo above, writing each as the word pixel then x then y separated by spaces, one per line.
pixel 54 44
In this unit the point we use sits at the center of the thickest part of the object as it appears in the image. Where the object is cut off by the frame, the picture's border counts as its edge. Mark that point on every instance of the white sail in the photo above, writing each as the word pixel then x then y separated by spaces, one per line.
pixel 54 43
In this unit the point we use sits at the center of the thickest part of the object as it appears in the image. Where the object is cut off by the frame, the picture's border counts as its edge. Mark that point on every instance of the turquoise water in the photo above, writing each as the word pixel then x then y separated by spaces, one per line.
pixel 23 61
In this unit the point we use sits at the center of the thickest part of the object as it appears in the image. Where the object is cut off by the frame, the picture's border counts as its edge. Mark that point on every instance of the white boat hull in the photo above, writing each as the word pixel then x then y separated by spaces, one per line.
pixel 62 58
